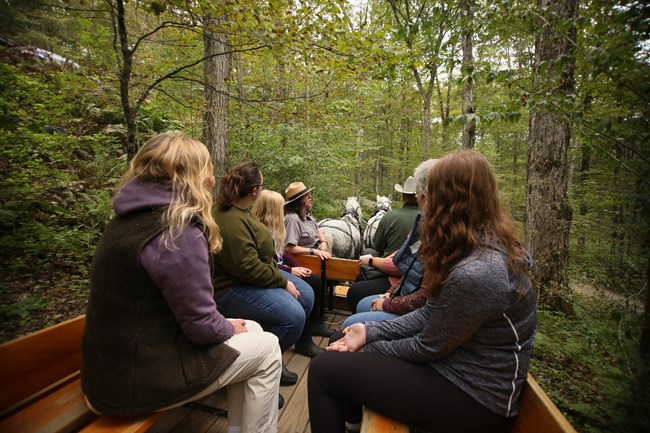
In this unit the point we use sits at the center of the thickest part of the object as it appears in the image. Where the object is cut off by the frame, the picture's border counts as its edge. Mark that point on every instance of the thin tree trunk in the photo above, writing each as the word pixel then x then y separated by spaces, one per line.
pixel 585 165
pixel 548 212
pixel 641 415
pixel 216 70
pixel 426 100
pixel 125 81
pixel 469 127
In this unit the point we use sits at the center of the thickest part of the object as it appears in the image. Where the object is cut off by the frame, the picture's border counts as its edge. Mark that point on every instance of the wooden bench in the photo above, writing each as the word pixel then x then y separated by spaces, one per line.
pixel 334 269
pixel 40 389
pixel 40 386
pixel 538 414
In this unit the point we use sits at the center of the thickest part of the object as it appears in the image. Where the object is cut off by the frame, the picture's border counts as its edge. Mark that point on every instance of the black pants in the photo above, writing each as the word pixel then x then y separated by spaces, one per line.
pixel 315 283
pixel 340 383
pixel 361 289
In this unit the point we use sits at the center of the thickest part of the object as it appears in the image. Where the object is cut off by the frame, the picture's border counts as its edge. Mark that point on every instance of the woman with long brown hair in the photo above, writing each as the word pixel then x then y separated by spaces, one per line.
pixel 247 281
pixel 459 363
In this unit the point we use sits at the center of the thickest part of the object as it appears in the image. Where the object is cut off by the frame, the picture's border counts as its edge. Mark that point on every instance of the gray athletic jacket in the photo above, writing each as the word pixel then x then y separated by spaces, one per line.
pixel 477 332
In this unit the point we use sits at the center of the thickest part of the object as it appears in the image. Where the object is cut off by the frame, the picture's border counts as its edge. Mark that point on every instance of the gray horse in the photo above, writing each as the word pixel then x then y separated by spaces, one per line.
pixel 382 205
pixel 343 235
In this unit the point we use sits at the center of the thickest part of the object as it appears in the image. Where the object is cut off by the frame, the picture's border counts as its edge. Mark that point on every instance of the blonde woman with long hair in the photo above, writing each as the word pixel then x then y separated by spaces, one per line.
pixel 269 209
pixel 152 325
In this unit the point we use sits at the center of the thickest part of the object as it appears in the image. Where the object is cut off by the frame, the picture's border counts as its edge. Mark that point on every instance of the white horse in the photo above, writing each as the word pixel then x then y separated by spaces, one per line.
pixel 382 205
pixel 343 235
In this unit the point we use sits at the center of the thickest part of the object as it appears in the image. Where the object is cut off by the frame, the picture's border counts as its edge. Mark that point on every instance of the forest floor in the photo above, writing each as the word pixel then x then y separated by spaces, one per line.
pixel 589 290
pixel 35 301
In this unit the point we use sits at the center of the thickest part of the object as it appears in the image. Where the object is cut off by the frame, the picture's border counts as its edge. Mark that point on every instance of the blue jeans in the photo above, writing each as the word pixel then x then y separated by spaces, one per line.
pixel 364 314
pixel 274 308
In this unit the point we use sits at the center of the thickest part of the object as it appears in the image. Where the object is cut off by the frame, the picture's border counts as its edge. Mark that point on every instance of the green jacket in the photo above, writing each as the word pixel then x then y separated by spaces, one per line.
pixel 393 229
pixel 247 256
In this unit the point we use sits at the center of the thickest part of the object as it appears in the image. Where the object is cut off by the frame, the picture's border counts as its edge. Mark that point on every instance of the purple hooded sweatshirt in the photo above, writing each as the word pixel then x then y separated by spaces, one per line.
pixel 181 271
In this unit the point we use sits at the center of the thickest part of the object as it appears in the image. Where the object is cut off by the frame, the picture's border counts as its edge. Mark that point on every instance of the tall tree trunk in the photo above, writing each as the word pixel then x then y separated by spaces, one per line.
pixel 641 380
pixel 641 385
pixel 283 94
pixel 548 212
pixel 216 71
pixel 126 67
pixel 359 162
pixel 469 127
pixel 426 100
pixel 583 177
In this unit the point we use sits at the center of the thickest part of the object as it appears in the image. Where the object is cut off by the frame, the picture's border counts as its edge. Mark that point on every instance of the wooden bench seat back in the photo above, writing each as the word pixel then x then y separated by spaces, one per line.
pixel 538 414
pixel 34 362
pixel 342 269
pixel 331 269
pixel 314 263
pixel 335 268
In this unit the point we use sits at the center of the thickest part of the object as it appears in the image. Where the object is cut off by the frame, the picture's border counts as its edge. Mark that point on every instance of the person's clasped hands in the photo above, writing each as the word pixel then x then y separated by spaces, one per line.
pixel 376 304
pixel 353 340
pixel 301 272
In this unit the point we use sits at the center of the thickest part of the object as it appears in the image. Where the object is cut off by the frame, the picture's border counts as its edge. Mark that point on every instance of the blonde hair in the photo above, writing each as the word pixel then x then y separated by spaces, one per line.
pixel 177 160
pixel 269 209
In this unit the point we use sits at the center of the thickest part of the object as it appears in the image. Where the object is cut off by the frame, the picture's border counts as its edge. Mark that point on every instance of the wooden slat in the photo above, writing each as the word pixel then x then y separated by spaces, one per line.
pixel 129 424
pixel 538 414
pixel 342 269
pixel 311 262
pixel 64 410
pixel 335 268
pixel 330 269
pixel 31 363
pixel 374 422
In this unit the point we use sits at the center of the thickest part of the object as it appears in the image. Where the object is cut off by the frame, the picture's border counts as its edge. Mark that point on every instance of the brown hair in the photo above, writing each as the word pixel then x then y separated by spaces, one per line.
pixel 462 212
pixel 238 182
pixel 298 206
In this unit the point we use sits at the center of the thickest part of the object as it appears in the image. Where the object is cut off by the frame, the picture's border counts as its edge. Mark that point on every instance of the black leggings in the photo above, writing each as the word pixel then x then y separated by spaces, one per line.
pixel 361 289
pixel 340 383
pixel 315 283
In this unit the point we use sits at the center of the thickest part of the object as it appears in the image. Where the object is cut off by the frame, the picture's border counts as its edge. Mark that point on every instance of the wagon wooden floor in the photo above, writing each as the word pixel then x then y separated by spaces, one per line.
pixel 294 416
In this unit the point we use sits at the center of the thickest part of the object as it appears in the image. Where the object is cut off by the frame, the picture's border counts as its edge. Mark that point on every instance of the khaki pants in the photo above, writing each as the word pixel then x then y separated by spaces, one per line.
pixel 253 381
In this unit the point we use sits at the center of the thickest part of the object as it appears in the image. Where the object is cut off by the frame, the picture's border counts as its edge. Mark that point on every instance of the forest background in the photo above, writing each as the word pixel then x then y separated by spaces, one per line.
pixel 347 97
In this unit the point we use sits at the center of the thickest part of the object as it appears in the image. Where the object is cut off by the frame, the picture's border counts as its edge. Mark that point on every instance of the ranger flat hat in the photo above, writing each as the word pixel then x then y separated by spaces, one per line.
pixel 409 186
pixel 294 191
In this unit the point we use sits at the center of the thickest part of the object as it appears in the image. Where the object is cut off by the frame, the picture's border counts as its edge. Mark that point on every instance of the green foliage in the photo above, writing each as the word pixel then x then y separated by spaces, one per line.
pixel 323 92
pixel 586 363
pixel 56 187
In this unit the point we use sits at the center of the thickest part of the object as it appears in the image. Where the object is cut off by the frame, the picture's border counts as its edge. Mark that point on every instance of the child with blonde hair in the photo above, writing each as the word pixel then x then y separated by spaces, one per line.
pixel 269 209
